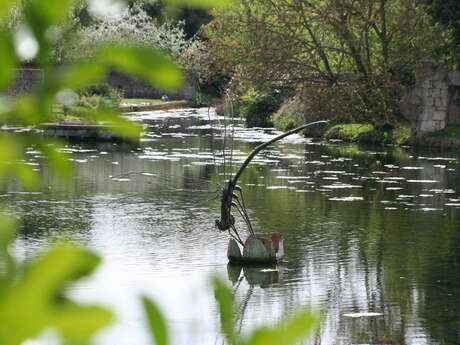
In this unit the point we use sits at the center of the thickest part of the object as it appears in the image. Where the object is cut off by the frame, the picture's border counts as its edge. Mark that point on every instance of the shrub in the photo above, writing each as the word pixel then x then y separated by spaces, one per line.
pixel 98 95
pixel 375 101
pixel 257 107
pixel 289 115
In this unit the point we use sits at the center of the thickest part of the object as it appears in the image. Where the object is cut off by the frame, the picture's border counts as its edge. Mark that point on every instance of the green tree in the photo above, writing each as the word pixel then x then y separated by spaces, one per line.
pixel 447 13
pixel 296 40
pixel 363 50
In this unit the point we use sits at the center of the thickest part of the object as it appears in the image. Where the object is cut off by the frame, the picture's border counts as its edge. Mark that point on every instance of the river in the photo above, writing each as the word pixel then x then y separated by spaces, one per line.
pixel 367 230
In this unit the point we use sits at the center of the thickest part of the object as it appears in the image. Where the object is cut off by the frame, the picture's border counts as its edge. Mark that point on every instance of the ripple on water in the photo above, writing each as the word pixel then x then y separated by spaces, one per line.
pixel 348 198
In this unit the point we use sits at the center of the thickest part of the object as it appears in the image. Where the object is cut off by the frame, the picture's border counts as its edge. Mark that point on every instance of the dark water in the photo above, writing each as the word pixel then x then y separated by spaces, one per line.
pixel 372 230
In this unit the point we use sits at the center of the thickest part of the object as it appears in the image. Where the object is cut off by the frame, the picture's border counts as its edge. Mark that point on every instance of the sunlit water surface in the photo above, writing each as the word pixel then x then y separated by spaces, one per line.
pixel 366 231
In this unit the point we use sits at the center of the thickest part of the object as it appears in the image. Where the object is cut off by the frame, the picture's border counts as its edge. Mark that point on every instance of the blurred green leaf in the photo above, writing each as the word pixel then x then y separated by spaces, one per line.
pixel 200 3
pixel 50 11
pixel 57 159
pixel 25 173
pixel 81 74
pixel 156 322
pixel 146 64
pixel 225 300
pixel 79 323
pixel 5 6
pixel 8 61
pixel 27 110
pixel 114 123
pixel 7 232
pixel 7 235
pixel 36 301
pixel 288 332
pixel 12 163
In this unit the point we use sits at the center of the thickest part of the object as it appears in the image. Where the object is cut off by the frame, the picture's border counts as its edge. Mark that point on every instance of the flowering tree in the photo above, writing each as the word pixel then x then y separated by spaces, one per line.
pixel 132 27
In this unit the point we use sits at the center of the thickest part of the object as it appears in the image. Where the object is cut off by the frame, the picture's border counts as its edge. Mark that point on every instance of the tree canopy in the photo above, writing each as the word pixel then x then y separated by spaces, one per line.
pixel 297 40
pixel 447 13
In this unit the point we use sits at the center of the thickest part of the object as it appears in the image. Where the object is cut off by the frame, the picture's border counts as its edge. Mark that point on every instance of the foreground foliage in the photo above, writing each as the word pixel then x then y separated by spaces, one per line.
pixel 33 301
pixel 32 295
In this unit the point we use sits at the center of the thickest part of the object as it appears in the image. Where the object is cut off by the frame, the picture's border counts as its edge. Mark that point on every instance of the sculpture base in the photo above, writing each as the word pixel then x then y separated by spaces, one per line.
pixel 257 250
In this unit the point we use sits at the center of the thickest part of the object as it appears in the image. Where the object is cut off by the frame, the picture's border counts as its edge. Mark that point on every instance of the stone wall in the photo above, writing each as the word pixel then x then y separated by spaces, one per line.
pixel 453 112
pixel 434 101
pixel 133 88
pixel 26 80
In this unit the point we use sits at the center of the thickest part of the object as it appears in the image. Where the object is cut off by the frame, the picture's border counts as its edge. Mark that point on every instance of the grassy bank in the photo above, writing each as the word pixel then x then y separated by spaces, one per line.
pixel 139 101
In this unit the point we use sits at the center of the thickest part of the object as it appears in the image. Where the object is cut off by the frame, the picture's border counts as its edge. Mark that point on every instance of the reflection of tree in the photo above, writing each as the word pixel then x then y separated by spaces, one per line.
pixel 361 257
pixel 255 275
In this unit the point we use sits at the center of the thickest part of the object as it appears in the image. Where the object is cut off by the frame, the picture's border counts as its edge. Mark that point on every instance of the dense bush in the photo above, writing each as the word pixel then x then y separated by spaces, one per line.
pixel 98 95
pixel 257 107
pixel 84 101
pixel 290 114
pixel 374 101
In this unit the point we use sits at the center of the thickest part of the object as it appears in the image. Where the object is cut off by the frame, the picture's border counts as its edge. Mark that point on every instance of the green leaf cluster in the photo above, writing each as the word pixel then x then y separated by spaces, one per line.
pixel 289 331
pixel 35 108
pixel 33 299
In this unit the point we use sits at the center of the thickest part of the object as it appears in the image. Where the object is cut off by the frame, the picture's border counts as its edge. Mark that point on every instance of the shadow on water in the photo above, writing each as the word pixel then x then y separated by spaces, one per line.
pixel 255 275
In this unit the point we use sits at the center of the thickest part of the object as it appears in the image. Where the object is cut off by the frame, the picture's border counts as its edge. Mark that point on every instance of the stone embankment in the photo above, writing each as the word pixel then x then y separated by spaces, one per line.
pixel 79 131
pixel 432 104
pixel 126 108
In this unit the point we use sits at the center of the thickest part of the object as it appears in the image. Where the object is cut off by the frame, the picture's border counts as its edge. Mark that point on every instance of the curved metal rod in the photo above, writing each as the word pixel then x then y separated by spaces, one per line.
pixel 264 145
pixel 226 220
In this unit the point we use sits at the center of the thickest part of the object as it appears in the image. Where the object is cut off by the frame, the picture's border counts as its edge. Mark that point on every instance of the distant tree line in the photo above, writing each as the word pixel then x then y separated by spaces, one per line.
pixel 347 60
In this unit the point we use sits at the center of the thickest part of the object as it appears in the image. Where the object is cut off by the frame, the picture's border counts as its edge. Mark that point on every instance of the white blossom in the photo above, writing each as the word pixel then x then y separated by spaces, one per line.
pixel 133 27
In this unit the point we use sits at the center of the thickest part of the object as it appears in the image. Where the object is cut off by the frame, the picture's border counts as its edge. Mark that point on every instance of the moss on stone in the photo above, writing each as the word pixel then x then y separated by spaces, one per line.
pixel 348 132
pixel 400 136
pixel 449 132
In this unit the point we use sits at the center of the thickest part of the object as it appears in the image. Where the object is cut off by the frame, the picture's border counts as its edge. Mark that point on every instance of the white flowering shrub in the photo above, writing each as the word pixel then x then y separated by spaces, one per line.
pixel 132 27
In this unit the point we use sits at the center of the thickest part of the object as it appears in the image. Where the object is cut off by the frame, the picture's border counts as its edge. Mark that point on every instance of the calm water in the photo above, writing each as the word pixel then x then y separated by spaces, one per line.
pixel 366 230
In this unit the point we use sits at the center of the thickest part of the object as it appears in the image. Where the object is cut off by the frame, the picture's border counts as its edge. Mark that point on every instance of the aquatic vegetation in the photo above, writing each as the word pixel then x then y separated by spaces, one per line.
pixel 348 132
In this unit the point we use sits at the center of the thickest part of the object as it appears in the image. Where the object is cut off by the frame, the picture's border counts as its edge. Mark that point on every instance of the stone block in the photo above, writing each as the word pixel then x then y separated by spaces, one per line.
pixel 454 78
pixel 426 126
pixel 440 115
pixel 439 125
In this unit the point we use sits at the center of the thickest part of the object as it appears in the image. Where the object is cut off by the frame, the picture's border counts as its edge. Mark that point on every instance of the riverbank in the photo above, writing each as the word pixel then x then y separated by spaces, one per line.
pixel 133 107
pixel 448 138
pixel 338 209
pixel 77 128
pixel 81 131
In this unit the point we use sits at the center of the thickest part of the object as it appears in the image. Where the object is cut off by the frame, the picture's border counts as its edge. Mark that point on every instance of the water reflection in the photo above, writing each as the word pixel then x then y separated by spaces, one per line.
pixel 366 231
pixel 255 275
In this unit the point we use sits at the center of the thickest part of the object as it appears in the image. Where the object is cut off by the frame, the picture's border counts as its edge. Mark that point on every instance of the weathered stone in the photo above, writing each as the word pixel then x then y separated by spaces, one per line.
pixel 233 250
pixel 429 104
pixel 454 78
pixel 439 115
pixel 258 249
pixel 151 107
pixel 82 131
